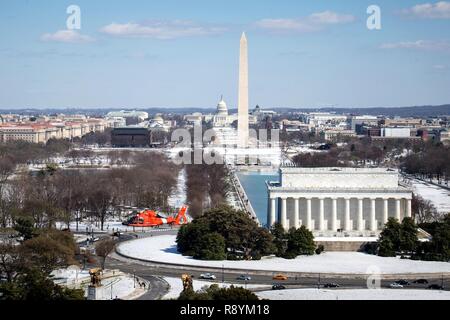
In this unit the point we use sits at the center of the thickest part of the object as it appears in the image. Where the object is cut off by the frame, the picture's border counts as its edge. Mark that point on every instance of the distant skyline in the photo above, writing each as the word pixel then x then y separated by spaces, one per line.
pixel 144 54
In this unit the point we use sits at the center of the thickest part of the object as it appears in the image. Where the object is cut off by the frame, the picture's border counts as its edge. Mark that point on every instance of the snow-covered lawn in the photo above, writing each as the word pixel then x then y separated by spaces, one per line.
pixel 121 285
pixel 178 198
pixel 117 287
pixel 163 249
pixel 354 294
pixel 108 227
pixel 176 286
pixel 440 197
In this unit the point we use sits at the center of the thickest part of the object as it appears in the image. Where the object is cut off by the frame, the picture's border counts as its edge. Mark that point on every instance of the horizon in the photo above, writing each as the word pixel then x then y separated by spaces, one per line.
pixel 140 55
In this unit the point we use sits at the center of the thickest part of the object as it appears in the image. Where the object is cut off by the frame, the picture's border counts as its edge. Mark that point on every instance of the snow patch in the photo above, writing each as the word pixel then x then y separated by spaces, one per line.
pixel 355 294
pixel 163 249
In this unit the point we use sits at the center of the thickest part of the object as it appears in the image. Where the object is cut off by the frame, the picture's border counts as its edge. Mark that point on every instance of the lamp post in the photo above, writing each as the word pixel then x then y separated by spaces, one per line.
pixel 134 278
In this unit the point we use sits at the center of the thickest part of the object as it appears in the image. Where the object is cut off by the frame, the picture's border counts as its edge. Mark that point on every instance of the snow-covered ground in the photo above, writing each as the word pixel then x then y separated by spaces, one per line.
pixel 121 286
pixel 176 286
pixel 354 294
pixel 440 197
pixel 163 249
pixel 109 226
pixel 178 198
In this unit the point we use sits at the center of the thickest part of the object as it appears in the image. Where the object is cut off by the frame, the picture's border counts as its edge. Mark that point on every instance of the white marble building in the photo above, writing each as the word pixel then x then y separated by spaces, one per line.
pixel 357 201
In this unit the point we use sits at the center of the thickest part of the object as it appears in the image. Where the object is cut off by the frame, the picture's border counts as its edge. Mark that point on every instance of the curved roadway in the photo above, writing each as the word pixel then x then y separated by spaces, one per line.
pixel 154 273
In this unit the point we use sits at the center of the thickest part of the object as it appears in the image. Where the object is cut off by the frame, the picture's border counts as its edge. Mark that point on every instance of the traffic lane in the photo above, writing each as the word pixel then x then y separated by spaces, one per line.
pixel 144 271
pixel 312 282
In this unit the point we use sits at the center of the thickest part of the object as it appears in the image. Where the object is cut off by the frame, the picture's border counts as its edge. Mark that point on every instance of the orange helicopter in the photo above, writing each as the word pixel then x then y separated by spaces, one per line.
pixel 150 218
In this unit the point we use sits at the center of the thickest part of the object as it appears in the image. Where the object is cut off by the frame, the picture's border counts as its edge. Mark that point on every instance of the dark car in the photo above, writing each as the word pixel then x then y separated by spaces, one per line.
pixel 421 281
pixel 331 285
pixel 117 234
pixel 402 282
pixel 435 287
pixel 278 287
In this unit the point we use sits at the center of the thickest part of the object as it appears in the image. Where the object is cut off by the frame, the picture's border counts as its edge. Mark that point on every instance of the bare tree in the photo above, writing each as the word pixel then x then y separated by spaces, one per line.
pixel 9 260
pixel 424 210
pixel 103 249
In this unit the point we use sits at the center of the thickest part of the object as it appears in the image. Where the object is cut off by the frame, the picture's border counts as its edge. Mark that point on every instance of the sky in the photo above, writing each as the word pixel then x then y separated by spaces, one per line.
pixel 185 53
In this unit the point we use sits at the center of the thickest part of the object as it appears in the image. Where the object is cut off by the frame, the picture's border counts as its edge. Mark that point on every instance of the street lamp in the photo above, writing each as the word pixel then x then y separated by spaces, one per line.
pixel 134 278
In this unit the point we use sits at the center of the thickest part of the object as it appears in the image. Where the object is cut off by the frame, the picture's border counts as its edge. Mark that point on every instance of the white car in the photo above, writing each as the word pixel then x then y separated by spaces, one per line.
pixel 395 285
pixel 208 276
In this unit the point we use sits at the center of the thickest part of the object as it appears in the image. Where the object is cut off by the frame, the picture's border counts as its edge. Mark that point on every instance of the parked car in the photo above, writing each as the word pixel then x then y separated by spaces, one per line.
pixel 395 285
pixel 421 281
pixel 278 287
pixel 280 277
pixel 403 282
pixel 435 287
pixel 331 285
pixel 244 277
pixel 208 276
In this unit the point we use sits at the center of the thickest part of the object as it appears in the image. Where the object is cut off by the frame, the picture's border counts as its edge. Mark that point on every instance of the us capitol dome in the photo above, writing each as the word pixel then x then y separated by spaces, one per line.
pixel 222 109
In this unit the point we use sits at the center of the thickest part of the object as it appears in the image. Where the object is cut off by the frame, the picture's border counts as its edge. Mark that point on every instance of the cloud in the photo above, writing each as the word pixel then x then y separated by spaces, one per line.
pixel 426 45
pixel 440 67
pixel 162 30
pixel 438 10
pixel 312 23
pixel 67 36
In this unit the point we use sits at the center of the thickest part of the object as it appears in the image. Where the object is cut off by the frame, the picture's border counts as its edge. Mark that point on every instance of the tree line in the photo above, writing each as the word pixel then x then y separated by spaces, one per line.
pixel 207 186
pixel 223 233
pixel 27 266
pixel 431 159
pixel 401 238
pixel 52 194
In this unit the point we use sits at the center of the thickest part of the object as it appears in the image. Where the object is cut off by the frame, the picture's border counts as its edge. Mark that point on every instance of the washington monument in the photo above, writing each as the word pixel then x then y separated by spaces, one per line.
pixel 243 94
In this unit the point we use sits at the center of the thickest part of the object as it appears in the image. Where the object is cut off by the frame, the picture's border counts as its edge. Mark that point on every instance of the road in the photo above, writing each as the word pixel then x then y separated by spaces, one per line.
pixel 154 273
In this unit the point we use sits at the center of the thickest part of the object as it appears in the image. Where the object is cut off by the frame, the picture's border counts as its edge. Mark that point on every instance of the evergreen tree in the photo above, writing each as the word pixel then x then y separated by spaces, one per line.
pixel 389 241
pixel 243 238
pixel 300 242
pixel 280 239
pixel 386 248
pixel 25 228
pixel 213 292
pixel 211 247
pixel 408 235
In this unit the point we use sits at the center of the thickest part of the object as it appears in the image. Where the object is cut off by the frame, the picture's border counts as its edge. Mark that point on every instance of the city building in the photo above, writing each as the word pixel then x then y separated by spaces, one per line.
pixel 356 201
pixel 403 122
pixel 294 126
pixel 140 115
pixel 130 137
pixel 323 120
pixel 55 128
pixel 331 135
pixel 445 137
pixel 396 132
pixel 261 114
pixel 363 120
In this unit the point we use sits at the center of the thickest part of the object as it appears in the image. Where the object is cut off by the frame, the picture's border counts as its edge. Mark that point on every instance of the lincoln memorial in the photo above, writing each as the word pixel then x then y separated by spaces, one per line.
pixel 356 201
